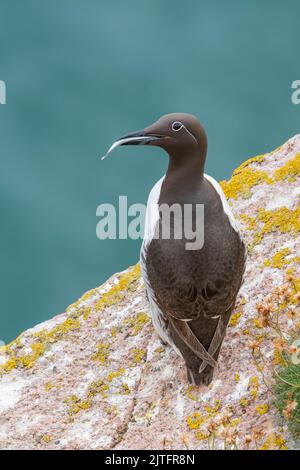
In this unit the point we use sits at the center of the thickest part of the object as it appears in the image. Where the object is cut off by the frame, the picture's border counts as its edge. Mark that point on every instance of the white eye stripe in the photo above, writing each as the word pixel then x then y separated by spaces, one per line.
pixel 177 125
pixel 190 133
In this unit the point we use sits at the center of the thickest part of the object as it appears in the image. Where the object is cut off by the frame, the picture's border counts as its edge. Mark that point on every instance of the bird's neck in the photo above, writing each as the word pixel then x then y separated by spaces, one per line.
pixel 183 179
pixel 185 169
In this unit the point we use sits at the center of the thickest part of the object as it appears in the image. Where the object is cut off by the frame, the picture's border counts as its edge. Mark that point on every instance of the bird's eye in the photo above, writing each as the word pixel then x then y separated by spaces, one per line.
pixel 177 125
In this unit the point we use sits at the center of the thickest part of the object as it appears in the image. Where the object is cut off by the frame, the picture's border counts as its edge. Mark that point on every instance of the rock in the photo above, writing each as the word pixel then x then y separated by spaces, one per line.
pixel 98 377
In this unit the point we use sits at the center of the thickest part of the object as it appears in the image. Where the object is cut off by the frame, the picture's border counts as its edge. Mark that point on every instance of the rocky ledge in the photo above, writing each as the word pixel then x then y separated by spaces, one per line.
pixel 98 377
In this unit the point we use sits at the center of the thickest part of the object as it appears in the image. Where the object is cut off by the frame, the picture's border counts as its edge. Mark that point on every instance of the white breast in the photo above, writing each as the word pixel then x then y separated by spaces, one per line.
pixel 152 213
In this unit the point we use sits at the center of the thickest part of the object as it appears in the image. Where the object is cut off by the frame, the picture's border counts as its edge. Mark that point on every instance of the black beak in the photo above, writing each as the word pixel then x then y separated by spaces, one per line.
pixel 135 138
pixel 138 138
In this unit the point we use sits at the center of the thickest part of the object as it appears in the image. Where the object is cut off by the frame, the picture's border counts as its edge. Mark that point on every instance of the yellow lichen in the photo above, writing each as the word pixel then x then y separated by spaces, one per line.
pixel 138 355
pixel 262 409
pixel 113 332
pixel 75 404
pixel 151 411
pixel 87 312
pixel 117 373
pixel 253 386
pixel 47 438
pixel 125 389
pixel 87 295
pixel 111 410
pixel 48 386
pixel 9 365
pixel 282 220
pixel 212 410
pixel 242 180
pixel 44 338
pixel 118 291
pixel 214 422
pixel 24 361
pixel 289 170
pixel 257 323
pixel 234 320
pixel 244 402
pixel 194 420
pixel 250 222
pixel 16 344
pixel 245 176
pixel 97 387
pixel 257 159
pixel 190 394
pixel 102 353
pixel 200 435
pixel 278 260
pixel 274 441
pixel 277 358
pixel 137 322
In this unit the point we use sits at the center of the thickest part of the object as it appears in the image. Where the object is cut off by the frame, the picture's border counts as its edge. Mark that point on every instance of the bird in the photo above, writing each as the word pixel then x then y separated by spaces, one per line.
pixel 191 292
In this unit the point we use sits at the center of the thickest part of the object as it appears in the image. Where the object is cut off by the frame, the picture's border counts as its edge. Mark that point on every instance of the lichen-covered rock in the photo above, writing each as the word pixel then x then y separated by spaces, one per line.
pixel 98 377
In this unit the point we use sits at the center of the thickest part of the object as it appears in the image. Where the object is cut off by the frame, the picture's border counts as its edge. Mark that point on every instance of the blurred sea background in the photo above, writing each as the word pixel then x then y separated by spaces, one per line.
pixel 80 74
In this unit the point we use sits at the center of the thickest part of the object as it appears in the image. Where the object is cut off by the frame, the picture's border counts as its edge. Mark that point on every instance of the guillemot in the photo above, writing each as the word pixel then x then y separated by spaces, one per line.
pixel 191 293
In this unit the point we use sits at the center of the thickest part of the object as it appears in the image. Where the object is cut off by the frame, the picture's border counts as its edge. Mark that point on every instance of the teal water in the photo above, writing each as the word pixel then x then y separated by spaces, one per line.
pixel 78 75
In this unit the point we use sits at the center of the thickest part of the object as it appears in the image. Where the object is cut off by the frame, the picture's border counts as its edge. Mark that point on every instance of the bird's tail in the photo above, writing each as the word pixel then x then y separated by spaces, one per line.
pixel 193 376
pixel 200 378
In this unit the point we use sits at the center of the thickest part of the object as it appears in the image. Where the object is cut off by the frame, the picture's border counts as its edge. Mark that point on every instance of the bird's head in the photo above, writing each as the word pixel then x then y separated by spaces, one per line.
pixel 177 133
